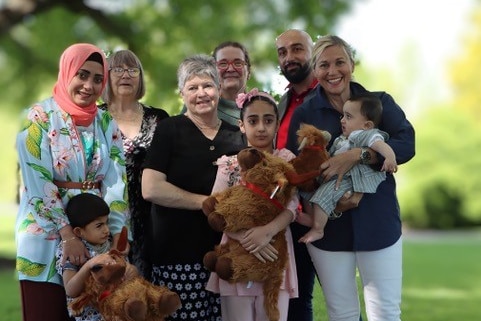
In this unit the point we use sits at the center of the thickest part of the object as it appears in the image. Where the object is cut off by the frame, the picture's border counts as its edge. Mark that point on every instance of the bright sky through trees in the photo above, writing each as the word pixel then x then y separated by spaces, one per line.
pixel 383 31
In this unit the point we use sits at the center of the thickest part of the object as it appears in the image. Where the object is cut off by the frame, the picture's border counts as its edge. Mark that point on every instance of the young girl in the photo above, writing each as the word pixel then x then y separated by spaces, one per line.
pixel 362 114
pixel 88 215
pixel 259 122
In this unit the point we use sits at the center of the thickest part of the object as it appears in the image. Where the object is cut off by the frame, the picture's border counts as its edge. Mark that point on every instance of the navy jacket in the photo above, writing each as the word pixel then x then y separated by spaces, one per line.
pixel 375 224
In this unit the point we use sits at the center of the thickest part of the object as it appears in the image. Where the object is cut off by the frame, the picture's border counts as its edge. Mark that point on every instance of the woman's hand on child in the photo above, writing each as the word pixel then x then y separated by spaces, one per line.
pixel 338 166
pixel 75 251
pixel 347 201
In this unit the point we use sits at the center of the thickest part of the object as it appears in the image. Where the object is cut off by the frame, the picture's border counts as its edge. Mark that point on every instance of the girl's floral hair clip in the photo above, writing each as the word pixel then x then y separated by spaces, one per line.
pixel 244 98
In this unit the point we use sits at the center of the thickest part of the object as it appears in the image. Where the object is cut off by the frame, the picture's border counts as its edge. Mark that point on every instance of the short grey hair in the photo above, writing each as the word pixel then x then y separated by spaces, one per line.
pixel 197 65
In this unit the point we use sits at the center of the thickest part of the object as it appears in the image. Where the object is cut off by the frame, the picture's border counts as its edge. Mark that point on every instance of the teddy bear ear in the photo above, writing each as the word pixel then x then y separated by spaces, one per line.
pixel 327 135
pixel 122 243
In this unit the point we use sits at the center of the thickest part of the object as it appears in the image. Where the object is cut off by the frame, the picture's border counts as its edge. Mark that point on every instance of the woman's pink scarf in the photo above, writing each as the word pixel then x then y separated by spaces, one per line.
pixel 70 62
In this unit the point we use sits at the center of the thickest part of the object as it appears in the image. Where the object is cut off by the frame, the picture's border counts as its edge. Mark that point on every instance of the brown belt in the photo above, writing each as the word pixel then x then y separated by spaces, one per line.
pixel 78 185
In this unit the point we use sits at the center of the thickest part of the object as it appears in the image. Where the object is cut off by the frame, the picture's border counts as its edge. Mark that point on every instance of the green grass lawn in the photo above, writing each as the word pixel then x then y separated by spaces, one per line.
pixel 442 279
pixel 9 297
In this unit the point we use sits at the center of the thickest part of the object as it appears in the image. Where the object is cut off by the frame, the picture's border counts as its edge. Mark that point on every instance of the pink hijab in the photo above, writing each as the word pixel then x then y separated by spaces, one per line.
pixel 70 62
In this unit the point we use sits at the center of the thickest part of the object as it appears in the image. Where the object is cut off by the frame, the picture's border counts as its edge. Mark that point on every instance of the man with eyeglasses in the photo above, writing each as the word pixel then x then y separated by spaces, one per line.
pixel 233 65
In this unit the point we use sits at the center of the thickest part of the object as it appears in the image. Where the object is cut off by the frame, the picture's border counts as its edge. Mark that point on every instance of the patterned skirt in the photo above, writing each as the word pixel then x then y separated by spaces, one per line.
pixel 189 281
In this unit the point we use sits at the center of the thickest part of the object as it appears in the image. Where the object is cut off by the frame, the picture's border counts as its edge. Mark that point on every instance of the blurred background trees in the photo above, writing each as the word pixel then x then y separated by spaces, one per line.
pixel 160 32
pixel 443 183
pixel 439 188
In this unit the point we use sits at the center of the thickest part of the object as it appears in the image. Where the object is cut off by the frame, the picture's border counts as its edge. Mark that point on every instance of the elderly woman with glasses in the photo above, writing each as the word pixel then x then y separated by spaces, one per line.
pixel 137 123
pixel 179 173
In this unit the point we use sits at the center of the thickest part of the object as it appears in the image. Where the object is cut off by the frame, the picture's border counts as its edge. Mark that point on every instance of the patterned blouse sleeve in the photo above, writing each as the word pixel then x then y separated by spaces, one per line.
pixel 114 184
pixel 228 173
pixel 36 164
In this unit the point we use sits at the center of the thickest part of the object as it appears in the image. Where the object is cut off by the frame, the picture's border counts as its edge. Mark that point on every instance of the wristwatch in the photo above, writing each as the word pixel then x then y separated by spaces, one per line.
pixel 365 156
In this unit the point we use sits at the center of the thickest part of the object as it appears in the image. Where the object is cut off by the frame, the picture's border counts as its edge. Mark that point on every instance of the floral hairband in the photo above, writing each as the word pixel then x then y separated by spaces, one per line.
pixel 244 98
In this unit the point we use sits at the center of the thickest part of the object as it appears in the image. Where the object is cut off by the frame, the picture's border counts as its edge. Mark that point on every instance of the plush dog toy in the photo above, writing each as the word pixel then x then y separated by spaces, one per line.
pixel 312 145
pixel 268 187
pixel 123 298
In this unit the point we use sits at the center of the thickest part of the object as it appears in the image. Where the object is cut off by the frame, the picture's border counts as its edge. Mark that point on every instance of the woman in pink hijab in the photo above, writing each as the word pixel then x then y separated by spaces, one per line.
pixel 66 146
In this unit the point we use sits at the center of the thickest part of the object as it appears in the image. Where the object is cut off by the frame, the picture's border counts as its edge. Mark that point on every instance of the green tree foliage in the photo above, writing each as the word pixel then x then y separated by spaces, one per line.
pixel 160 32
pixel 441 184
pixel 465 70
pixel 439 188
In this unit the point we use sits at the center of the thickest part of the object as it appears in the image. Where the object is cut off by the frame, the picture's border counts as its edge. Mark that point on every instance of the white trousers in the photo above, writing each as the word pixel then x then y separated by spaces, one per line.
pixel 381 278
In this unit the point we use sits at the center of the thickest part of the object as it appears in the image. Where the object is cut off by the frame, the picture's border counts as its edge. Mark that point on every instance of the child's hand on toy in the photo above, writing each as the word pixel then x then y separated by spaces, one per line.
pixel 256 238
pixel 267 253
pixel 257 242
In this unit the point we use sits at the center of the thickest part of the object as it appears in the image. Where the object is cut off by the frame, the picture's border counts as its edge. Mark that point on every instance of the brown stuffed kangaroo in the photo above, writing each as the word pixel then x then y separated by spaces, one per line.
pixel 124 298
pixel 269 184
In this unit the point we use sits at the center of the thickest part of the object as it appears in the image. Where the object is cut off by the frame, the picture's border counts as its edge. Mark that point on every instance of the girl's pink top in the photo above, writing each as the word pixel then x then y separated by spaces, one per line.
pixel 228 175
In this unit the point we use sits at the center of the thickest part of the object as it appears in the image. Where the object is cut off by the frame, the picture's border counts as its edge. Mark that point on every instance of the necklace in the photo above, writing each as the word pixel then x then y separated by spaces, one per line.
pixel 202 127
pixel 134 116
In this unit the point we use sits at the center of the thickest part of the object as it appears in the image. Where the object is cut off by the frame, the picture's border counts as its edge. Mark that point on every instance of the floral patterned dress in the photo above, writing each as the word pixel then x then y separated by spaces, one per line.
pixel 50 147
pixel 135 150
